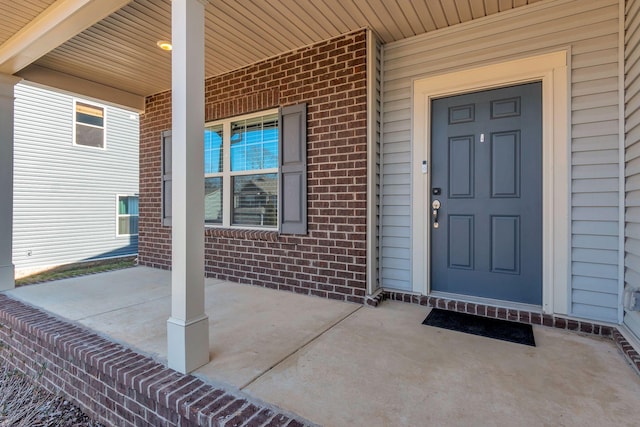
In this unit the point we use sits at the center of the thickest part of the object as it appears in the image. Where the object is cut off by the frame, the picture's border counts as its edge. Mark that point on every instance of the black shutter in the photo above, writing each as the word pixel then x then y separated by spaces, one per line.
pixel 166 178
pixel 293 169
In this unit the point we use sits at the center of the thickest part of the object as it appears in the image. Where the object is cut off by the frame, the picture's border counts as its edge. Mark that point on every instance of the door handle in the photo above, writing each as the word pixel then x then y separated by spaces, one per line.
pixel 435 205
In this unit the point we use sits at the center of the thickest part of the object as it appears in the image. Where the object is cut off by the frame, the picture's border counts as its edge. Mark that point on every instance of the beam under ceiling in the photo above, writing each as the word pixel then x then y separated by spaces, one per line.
pixel 58 23
pixel 67 82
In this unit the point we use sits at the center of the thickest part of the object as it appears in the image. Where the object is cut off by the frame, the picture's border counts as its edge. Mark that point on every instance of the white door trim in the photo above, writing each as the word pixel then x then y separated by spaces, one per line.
pixel 552 70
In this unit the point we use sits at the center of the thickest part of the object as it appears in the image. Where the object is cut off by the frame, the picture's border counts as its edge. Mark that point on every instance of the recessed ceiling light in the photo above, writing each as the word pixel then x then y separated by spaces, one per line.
pixel 164 45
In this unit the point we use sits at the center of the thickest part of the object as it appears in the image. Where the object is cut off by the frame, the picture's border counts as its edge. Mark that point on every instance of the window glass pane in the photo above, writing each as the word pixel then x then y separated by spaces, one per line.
pixel 270 154
pixel 133 206
pixel 255 200
pixel 122 205
pixel 123 225
pixel 128 225
pixel 89 114
pixel 128 205
pixel 254 143
pixel 270 143
pixel 213 153
pixel 89 136
pixel 213 200
pixel 238 147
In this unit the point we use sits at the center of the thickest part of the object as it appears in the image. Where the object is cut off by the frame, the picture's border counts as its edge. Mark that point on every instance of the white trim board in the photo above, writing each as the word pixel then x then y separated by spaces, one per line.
pixel 552 70
pixel 621 159
pixel 372 143
pixel 628 328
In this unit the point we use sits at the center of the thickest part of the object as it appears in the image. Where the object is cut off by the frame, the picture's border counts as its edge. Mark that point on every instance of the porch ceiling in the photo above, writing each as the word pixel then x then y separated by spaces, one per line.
pixel 119 52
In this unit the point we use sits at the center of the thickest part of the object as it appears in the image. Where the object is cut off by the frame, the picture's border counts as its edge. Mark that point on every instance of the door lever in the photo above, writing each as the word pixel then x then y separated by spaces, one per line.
pixel 436 207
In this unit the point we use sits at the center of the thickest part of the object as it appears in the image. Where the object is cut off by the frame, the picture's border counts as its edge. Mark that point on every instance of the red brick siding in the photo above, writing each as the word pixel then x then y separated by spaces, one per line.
pixel 154 241
pixel 331 260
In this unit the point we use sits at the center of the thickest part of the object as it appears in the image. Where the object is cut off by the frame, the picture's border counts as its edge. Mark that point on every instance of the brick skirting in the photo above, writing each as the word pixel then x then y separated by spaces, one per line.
pixel 522 316
pixel 627 350
pixel 115 385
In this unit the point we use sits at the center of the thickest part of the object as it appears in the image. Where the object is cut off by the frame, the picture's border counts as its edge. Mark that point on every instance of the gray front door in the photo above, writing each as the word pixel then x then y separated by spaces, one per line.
pixel 487 179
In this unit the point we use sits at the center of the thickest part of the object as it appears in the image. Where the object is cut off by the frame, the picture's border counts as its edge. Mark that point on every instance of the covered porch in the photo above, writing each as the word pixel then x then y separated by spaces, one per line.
pixel 349 69
pixel 335 363
pixel 110 52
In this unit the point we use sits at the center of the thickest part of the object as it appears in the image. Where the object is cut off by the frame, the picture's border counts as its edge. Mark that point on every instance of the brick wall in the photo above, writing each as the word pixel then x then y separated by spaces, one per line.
pixel 115 385
pixel 330 261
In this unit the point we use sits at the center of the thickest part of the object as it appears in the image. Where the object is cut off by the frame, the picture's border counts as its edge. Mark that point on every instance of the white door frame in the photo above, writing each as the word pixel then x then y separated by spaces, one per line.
pixel 552 70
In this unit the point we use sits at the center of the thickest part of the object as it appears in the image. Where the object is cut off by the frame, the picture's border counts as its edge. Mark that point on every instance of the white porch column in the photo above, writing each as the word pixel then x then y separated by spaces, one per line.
pixel 188 326
pixel 7 270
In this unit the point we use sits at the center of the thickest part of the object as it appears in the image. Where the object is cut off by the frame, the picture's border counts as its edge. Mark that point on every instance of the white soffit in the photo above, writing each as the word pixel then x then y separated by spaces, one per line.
pixel 120 50
pixel 50 28
pixel 17 14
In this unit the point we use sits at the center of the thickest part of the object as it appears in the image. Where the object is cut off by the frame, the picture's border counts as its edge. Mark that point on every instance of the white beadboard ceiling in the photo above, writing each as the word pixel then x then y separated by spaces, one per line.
pixel 120 50
pixel 17 14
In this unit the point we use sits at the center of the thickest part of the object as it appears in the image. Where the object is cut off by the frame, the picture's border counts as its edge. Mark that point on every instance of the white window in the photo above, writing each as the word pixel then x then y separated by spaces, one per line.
pixel 127 216
pixel 246 160
pixel 241 171
pixel 89 125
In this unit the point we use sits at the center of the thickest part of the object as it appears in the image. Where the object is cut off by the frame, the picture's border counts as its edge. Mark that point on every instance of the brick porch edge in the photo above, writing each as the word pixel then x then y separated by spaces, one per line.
pixel 521 316
pixel 116 385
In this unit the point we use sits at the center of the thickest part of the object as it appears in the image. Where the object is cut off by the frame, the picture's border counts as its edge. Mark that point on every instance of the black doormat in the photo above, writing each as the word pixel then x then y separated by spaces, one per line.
pixel 519 333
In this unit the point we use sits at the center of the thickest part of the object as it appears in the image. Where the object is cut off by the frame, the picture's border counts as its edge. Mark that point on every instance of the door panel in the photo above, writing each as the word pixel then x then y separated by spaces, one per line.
pixel 461 241
pixel 505 164
pixel 461 162
pixel 505 244
pixel 486 166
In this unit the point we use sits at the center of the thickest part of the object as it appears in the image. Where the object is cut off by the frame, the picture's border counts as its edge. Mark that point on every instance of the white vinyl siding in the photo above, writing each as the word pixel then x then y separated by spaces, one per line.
pixel 632 157
pixel 590 31
pixel 64 195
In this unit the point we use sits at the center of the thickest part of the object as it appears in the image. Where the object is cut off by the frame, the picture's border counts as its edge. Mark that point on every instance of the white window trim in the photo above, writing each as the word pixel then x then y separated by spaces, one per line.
pixel 118 215
pixel 552 70
pixel 104 127
pixel 226 174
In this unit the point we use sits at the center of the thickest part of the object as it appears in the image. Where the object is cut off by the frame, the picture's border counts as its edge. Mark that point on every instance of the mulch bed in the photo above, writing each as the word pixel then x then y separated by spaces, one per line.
pixel 23 403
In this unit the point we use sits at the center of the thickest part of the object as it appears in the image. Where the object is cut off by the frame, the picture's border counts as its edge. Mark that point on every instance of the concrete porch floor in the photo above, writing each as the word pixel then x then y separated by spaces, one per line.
pixel 340 364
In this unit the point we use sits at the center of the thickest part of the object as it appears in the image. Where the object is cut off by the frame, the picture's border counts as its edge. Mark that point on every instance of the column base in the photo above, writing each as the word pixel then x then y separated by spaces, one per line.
pixel 7 277
pixel 188 344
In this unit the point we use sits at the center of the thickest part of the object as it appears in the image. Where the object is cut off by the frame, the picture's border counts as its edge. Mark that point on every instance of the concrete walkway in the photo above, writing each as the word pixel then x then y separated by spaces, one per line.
pixel 340 364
